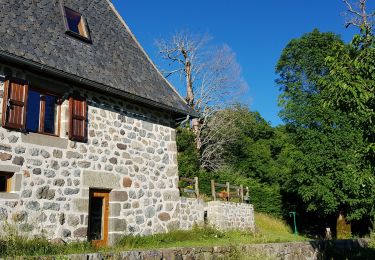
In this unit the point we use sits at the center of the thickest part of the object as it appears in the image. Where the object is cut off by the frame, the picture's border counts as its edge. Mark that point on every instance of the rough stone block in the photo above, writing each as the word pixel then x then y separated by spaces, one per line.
pixel 9 168
pixel 80 205
pixel 9 196
pixel 114 209
pixel 5 156
pixel 104 180
pixel 118 196
pixel 171 195
pixel 80 232
pixel 113 238
pixel 164 216
pixel 116 224
pixel 127 182
pixel 45 140
pixel 73 220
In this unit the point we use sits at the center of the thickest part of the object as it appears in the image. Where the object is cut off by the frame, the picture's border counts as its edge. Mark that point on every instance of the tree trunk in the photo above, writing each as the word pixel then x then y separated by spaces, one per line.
pixel 189 85
pixel 196 127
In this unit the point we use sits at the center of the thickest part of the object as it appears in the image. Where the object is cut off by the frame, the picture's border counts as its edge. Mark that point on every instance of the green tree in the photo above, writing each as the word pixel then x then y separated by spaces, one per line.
pixel 188 157
pixel 258 158
pixel 350 85
pixel 259 149
pixel 328 172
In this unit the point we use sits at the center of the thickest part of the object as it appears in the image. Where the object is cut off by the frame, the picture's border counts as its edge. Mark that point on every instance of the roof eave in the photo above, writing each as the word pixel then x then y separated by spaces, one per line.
pixel 9 57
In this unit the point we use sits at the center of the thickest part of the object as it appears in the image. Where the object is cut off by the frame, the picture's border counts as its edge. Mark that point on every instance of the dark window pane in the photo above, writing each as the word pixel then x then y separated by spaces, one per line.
pixel 73 18
pixel 49 116
pixel 33 110
pixel 96 218
pixel 3 183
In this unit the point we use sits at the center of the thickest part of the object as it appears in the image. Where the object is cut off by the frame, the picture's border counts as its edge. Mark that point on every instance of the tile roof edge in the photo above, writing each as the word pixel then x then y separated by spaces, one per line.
pixel 141 48
pixel 12 58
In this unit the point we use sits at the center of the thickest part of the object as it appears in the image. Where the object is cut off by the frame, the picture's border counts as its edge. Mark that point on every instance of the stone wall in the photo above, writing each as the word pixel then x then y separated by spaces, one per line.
pixel 230 215
pixel 220 214
pixel 312 250
pixel 131 151
pixel 191 212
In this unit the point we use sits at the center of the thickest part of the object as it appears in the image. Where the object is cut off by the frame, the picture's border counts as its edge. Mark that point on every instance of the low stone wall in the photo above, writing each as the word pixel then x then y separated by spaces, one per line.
pixel 220 214
pixel 191 212
pixel 230 215
pixel 287 251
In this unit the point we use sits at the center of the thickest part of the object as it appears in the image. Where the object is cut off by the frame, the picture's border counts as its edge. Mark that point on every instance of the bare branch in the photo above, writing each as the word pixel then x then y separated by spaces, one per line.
pixel 212 82
pixel 358 16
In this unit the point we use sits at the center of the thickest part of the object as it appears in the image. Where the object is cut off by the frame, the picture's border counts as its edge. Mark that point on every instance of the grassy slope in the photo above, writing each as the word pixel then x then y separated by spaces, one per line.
pixel 268 230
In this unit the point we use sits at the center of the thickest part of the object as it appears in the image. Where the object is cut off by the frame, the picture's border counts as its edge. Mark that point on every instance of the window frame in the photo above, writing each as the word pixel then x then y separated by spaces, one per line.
pixel 42 111
pixel 83 119
pixel 8 88
pixel 68 31
pixel 8 184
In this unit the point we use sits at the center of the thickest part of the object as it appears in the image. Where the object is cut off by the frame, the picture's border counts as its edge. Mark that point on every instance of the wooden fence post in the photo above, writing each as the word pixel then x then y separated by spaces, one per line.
pixel 196 187
pixel 228 191
pixel 213 192
pixel 241 193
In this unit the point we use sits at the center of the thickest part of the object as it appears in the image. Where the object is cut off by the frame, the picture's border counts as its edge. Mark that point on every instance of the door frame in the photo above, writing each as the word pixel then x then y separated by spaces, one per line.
pixel 103 194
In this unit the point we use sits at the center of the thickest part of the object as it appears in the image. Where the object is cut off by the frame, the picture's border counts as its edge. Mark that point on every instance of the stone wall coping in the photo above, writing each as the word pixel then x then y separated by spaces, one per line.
pixel 219 202
pixel 313 248
pixel 185 199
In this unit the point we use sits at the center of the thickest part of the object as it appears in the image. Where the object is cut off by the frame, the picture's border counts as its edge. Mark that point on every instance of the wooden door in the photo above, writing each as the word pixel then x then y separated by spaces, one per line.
pixel 98 217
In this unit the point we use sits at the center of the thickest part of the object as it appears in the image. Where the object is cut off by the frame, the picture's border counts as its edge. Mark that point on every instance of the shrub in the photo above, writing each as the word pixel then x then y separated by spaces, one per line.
pixel 188 157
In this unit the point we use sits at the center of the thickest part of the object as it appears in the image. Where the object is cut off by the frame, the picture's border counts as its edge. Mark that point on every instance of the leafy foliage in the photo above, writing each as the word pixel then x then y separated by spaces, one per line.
pixel 257 158
pixel 350 85
pixel 328 174
pixel 188 160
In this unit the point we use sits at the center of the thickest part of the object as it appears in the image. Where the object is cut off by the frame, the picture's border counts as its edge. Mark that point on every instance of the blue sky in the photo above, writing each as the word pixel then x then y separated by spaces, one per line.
pixel 257 31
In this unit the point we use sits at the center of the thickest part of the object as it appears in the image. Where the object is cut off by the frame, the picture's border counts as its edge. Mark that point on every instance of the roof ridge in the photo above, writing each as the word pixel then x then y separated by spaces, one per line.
pixel 141 48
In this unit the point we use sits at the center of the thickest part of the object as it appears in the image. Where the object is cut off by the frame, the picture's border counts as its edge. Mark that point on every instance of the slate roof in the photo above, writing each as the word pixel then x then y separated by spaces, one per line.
pixel 35 31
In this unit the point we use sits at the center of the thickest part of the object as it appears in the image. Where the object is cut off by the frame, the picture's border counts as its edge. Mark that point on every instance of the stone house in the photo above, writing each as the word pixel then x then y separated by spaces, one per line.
pixel 87 141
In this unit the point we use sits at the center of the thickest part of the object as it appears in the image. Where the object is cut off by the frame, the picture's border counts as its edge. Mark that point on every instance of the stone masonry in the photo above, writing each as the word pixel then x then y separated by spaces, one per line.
pixel 191 212
pixel 131 151
pixel 132 109
pixel 230 215
pixel 219 214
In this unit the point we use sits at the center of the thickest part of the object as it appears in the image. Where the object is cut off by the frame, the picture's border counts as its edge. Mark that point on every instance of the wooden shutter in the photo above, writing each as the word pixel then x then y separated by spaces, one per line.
pixel 15 103
pixel 77 122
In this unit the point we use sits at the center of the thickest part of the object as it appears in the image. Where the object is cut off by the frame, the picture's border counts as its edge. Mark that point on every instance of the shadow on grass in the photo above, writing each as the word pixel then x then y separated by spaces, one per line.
pixel 344 249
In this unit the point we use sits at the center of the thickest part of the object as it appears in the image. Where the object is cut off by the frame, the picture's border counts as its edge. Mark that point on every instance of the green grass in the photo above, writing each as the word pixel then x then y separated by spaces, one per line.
pixel 269 230
pixel 372 239
pixel 37 246
pixel 272 229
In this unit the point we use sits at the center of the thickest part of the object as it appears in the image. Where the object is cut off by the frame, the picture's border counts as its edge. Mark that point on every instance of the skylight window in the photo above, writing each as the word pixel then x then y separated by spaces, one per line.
pixel 76 24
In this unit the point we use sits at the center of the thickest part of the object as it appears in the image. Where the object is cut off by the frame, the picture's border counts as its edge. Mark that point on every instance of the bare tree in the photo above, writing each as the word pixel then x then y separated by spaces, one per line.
pixel 218 132
pixel 213 81
pixel 358 16
pixel 183 52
